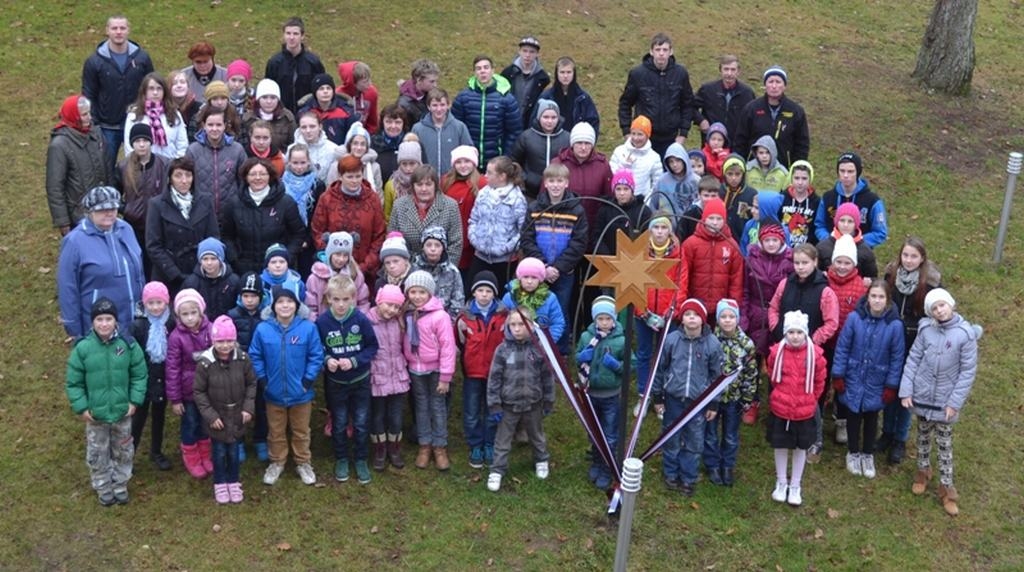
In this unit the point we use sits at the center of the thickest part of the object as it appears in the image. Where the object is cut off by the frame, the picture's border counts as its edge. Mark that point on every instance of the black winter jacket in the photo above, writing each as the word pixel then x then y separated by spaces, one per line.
pixel 171 241
pixel 220 292
pixel 711 103
pixel 294 74
pixel 111 90
pixel 248 230
pixel 663 96
pixel 788 129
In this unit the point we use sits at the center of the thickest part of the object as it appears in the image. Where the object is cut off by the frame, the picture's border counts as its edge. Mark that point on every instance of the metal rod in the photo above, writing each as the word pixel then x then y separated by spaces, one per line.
pixel 1013 169
pixel 632 475
pixel 620 450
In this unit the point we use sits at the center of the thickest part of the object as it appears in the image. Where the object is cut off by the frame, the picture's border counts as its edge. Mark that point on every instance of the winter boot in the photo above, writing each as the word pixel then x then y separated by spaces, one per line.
pixel 204 455
pixel 949 496
pixel 190 458
pixel 441 460
pixel 884 442
pixel 921 481
pixel 380 452
pixel 897 452
pixel 423 457
pixel 395 451
pixel 841 435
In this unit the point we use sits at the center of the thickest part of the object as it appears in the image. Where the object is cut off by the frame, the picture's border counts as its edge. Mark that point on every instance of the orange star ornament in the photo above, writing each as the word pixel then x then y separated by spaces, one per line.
pixel 630 271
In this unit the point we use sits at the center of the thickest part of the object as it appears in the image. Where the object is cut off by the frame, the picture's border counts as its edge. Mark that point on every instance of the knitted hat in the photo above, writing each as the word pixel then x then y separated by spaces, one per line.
pixel 714 206
pixel 103 306
pixel 155 291
pixel 775 70
pixel 281 291
pixel 935 295
pixel 660 218
pixel 465 152
pixel 210 246
pixel 641 123
pixel 391 294
pixel 394 245
pixel 530 267
pixel 320 80
pixel 805 165
pixel 851 157
pixel 216 88
pixel 845 246
pixel 624 177
pixel 582 133
pixel 274 250
pixel 485 278
pixel 410 151
pixel 223 330
pixel 437 233
pixel 727 305
pixel 421 279
pixel 349 164
pixel 698 154
pixel 251 284
pixel 603 305
pixel 140 131
pixel 530 41
pixel 546 104
pixel 267 86
pixel 850 210
pixel 189 295
pixel 718 127
pixel 242 68
pixel 795 320
pixel 101 199
pixel 357 129
pixel 734 160
pixel 695 305
pixel 770 230
pixel 338 242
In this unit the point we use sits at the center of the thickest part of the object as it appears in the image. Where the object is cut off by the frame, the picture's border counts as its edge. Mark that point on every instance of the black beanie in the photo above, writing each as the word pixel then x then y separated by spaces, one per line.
pixel 103 306
pixel 320 80
pixel 140 130
pixel 850 157
pixel 252 284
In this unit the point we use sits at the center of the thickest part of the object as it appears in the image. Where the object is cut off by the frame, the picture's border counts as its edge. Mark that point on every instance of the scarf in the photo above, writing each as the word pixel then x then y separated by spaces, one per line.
pixel 349 193
pixel 397 280
pixel 584 368
pixel 414 332
pixel 183 202
pixel 257 197
pixel 266 116
pixel 156 343
pixel 809 366
pixel 906 281
pixel 402 183
pixel 660 251
pixel 300 189
pixel 155 112
pixel 532 300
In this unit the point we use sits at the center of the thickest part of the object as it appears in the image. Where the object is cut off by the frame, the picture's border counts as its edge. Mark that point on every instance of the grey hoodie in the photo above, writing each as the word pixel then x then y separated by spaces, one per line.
pixel 439 142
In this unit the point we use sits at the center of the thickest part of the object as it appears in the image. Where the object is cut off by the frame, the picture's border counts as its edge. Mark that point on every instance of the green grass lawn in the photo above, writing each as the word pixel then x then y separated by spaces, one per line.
pixel 939 163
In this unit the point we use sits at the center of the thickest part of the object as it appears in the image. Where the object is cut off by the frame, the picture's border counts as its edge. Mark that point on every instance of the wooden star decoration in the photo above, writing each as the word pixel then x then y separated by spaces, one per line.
pixel 631 271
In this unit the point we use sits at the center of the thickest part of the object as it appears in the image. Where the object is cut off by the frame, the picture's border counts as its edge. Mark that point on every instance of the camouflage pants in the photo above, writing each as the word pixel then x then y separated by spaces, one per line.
pixel 109 453
pixel 944 439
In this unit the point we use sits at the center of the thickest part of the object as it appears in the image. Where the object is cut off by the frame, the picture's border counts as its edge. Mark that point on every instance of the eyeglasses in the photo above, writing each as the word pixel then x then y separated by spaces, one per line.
pixel 258 174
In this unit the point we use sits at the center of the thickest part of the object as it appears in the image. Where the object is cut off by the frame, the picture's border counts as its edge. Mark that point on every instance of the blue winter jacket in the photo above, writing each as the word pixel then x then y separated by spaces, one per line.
pixel 873 221
pixel 94 264
pixel 287 360
pixel 549 315
pixel 492 116
pixel 869 357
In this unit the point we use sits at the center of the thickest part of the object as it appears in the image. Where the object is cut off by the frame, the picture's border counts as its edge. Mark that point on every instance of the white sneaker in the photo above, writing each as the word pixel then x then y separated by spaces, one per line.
pixel 779 494
pixel 542 470
pixel 794 498
pixel 493 482
pixel 636 408
pixel 841 435
pixel 305 471
pixel 867 461
pixel 272 474
pixel 853 464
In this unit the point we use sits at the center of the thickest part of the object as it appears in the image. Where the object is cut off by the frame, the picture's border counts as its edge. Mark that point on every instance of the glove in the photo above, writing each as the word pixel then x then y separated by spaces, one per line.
pixel 585 356
pixel 611 363
pixel 495 417
pixel 654 321
pixel 888 395
pixel 839 384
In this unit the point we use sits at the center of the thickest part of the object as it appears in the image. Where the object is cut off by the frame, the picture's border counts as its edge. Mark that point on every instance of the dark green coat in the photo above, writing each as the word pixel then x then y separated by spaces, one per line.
pixel 104 378
pixel 605 382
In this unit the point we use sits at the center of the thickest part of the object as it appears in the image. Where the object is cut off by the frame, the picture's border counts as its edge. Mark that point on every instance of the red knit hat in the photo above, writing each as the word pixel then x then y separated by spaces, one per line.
pixel 768 230
pixel 713 206
pixel 695 305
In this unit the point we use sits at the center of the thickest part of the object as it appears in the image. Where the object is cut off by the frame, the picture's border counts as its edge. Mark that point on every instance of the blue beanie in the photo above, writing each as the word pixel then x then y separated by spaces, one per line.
pixel 210 246
pixel 603 305
pixel 727 304
pixel 698 153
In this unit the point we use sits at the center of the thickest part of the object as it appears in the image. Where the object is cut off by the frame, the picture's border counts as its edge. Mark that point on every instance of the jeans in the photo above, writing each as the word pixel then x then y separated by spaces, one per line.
pixel 478 428
pixel 532 422
pixel 112 139
pixel 431 410
pixel 720 451
pixel 349 402
pixel 562 289
pixel 156 430
pixel 606 409
pixel 225 462
pixel 109 454
pixel 896 421
pixel 259 428
pixel 681 454
pixel 386 413
pixel 645 340
pixel 192 428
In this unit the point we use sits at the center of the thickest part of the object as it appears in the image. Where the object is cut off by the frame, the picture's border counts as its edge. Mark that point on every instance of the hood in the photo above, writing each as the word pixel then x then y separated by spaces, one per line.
pixel 335 190
pixel 346 73
pixel 472 310
pixel 768 143
pixel 433 304
pixel 648 61
pixel 679 152
pixel 768 204
pixel 408 89
pixel 103 49
pixel 498 84
pixel 537 67
pixel 77 137
pixel 862 185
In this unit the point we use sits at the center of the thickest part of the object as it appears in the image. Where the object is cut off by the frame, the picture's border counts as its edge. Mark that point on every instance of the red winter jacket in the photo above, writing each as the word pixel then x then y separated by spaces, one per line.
pixel 479 341
pixel 849 289
pixel 790 397
pixel 360 215
pixel 712 268
pixel 659 299
pixel 363 103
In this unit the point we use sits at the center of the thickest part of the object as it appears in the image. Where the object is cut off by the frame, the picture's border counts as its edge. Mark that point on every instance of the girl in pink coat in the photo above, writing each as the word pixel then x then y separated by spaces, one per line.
pixel 389 378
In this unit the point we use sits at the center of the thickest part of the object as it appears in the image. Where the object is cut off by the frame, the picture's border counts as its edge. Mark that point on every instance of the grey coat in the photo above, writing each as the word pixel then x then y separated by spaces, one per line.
pixel 438 143
pixel 941 367
pixel 75 163
pixel 520 377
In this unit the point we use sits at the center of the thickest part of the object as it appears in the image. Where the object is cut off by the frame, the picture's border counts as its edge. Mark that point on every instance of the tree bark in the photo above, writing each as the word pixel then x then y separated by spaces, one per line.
pixel 945 61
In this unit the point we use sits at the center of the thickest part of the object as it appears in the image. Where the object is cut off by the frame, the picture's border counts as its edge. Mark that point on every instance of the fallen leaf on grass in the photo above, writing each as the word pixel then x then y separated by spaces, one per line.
pixel 561 537
pixel 490 562
pixel 216 528
pixel 833 513
pixel 374 530
pixel 44 269
pixel 484 526
pixel 284 546
pixel 589 544
pixel 730 532
pixel 694 505
pixel 819 533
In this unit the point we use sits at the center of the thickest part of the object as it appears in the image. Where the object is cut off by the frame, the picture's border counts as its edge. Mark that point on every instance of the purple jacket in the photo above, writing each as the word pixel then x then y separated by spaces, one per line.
pixel 436 350
pixel 389 372
pixel 183 349
pixel 762 274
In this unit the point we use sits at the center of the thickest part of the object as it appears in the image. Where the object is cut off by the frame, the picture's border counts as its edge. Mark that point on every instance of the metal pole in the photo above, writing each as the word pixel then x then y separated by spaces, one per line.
pixel 1013 168
pixel 632 474
pixel 620 450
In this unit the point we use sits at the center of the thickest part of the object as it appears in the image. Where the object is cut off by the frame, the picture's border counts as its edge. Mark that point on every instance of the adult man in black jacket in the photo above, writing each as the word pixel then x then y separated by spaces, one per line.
pixel 776 116
pixel 294 67
pixel 527 77
pixel 722 100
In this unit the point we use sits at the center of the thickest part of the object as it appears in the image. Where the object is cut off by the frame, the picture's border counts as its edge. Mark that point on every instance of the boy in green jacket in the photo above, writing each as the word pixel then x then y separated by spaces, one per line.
pixel 106 382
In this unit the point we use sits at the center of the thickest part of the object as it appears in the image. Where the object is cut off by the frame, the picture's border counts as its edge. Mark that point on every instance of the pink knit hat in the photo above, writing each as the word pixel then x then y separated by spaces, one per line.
pixel 240 67
pixel 466 152
pixel 155 291
pixel 850 210
pixel 530 267
pixel 623 177
pixel 189 295
pixel 391 294
pixel 223 330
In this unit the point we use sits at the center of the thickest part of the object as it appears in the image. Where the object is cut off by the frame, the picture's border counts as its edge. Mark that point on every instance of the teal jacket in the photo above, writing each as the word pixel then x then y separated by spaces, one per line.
pixel 104 378
pixel 604 381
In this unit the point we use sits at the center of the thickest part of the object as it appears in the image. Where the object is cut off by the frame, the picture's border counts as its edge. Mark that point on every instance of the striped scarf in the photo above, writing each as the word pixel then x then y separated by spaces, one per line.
pixel 155 112
pixel 584 367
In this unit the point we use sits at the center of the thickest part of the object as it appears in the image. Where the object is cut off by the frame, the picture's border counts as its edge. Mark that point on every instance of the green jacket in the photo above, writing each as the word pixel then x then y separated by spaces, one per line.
pixel 105 377
pixel 605 382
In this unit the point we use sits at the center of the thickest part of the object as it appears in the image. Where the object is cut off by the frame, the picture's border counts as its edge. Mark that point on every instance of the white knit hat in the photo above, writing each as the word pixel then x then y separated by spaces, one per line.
pixel 845 246
pixel 582 133
pixel 268 86
pixel 421 279
pixel 936 295
pixel 795 320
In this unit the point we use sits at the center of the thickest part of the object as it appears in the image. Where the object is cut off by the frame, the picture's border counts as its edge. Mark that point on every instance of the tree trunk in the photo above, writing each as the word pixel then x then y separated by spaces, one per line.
pixel 946 59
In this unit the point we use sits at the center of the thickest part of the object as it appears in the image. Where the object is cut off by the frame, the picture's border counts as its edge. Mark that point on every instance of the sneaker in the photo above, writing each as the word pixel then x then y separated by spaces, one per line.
pixel 488 455
pixel 867 462
pixel 272 473
pixel 341 470
pixel 603 481
pixel 261 451
pixel 688 489
pixel 107 498
pixel 241 452
pixel 476 457
pixel 779 494
pixel 542 470
pixel 161 462
pixel 841 435
pixel 305 471
pixel 221 493
pixel 235 493
pixel 493 482
pixel 121 496
pixel 363 472
pixel 794 498
pixel 814 453
pixel 673 485
pixel 853 464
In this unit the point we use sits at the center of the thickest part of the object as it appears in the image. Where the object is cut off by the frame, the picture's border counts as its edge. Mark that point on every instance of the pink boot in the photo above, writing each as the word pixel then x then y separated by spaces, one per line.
pixel 222 493
pixel 190 458
pixel 204 455
pixel 235 492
